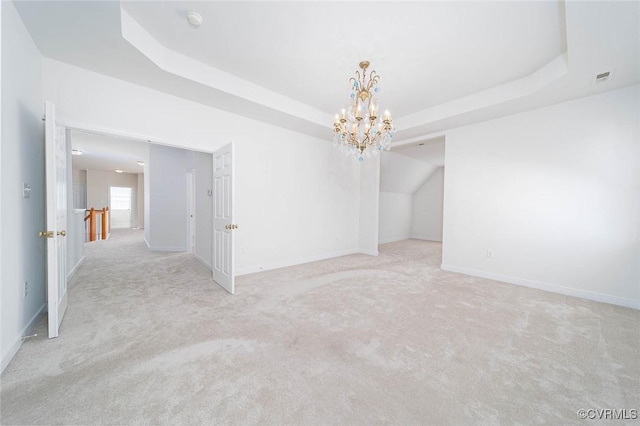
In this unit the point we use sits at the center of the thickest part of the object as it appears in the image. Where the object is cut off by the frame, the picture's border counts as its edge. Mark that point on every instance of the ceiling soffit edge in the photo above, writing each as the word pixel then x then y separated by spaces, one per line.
pixel 549 73
pixel 189 68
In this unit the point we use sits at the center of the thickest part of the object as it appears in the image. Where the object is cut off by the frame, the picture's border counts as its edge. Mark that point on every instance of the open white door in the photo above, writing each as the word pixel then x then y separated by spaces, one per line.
pixel 56 186
pixel 223 226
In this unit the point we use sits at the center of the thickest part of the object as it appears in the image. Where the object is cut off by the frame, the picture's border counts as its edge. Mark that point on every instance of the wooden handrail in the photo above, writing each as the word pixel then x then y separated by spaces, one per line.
pixel 92 223
pixel 105 222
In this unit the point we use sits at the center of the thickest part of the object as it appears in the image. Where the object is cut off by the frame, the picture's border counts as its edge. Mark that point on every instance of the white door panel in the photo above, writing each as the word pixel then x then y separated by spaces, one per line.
pixel 56 188
pixel 223 227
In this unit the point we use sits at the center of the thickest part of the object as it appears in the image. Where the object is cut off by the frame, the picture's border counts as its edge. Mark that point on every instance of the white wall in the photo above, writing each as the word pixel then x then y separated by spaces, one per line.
pixel 295 194
pixel 402 174
pixel 428 202
pixel 368 216
pixel 3 362
pixel 98 184
pixel 140 202
pixel 554 193
pixel 147 202
pixel 77 188
pixel 395 217
pixel 400 177
pixel 75 218
pixel 22 251
pixel 78 176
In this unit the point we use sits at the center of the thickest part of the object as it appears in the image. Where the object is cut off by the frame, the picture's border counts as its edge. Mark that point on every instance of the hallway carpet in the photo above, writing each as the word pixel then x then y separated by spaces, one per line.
pixel 150 339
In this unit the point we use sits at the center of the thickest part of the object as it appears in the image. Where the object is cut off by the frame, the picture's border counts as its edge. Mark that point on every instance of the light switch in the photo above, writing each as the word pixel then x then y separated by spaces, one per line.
pixel 26 190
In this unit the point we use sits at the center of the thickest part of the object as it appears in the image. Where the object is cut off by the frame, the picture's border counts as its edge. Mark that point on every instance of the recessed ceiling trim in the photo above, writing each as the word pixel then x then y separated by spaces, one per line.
pixel 186 67
pixel 546 75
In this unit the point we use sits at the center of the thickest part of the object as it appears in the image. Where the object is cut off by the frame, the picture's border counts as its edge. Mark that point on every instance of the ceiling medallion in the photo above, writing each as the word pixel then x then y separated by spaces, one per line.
pixel 358 130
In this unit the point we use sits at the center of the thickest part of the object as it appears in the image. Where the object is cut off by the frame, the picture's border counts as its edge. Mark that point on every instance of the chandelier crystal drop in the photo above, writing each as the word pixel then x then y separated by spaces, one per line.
pixel 358 129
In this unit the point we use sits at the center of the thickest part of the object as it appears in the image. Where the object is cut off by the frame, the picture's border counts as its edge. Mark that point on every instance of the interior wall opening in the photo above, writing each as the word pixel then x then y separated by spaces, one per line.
pixel 412 191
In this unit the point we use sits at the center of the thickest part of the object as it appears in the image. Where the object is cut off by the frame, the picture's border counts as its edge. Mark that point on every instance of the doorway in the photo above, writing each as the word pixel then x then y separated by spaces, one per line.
pixel 412 191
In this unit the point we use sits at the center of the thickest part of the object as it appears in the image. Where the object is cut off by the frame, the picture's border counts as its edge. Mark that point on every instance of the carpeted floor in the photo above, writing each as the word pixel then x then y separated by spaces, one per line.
pixel 149 339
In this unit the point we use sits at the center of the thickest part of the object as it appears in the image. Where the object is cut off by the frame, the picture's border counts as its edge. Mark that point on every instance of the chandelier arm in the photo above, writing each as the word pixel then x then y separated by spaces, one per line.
pixel 373 80
pixel 363 130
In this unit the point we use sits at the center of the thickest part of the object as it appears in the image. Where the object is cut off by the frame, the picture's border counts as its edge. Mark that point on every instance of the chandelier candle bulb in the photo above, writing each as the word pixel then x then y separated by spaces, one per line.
pixel 356 132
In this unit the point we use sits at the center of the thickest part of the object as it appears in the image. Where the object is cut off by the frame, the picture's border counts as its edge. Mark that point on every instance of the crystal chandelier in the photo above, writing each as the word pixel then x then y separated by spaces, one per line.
pixel 358 129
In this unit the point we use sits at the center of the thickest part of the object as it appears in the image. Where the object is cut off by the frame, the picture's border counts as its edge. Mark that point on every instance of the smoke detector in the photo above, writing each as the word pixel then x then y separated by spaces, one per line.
pixel 603 76
pixel 194 18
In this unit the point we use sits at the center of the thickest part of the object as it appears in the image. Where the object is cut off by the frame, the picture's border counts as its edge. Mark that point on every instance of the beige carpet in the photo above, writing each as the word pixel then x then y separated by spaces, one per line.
pixel 150 339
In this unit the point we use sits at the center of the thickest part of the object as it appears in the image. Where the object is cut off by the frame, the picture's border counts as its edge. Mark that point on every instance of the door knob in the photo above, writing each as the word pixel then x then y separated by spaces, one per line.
pixel 45 234
pixel 62 233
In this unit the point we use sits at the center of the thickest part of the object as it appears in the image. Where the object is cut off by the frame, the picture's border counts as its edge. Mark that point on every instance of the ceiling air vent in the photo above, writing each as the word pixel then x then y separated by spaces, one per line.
pixel 603 76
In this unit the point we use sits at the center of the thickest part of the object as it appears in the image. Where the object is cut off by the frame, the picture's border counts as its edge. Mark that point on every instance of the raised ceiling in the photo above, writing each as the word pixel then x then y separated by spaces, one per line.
pixel 107 153
pixel 442 64
pixel 307 51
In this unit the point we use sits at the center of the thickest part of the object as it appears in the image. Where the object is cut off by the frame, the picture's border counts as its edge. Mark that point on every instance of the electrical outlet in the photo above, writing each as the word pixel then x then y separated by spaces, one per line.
pixel 26 288
pixel 489 253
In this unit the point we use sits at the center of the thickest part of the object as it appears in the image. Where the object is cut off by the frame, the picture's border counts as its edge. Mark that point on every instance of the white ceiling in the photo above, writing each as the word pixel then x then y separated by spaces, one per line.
pixel 102 152
pixel 442 64
pixel 429 151
pixel 308 51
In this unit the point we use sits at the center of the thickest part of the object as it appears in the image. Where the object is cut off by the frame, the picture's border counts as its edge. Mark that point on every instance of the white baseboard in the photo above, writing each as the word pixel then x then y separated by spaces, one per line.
pixel 393 239
pixel 553 288
pixel 171 249
pixel 300 261
pixel 427 237
pixel 147 243
pixel 369 252
pixel 31 325
pixel 204 262
pixel 75 269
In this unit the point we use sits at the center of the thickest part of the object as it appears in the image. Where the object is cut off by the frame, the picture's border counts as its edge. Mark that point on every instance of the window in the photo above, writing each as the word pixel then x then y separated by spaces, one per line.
pixel 120 198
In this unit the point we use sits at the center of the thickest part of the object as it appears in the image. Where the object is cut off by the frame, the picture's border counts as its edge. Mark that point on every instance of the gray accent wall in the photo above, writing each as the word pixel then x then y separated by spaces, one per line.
pixel 22 159
pixel 203 165
pixel 167 224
